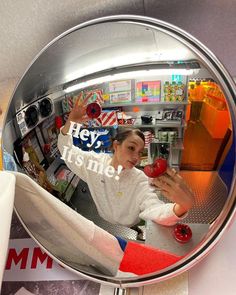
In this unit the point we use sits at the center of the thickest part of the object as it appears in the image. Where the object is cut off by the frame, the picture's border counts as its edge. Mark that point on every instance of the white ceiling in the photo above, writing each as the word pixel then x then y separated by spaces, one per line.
pixel 26 26
pixel 96 48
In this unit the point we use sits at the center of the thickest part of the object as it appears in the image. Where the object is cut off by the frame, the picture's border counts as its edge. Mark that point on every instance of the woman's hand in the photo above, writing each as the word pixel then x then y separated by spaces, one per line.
pixel 77 114
pixel 175 189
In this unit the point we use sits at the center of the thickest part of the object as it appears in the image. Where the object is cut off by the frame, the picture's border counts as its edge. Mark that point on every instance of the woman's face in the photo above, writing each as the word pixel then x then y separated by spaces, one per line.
pixel 129 152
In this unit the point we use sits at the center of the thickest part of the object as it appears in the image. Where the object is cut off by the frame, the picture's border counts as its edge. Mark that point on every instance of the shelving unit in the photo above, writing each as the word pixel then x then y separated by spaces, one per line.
pixel 134 105
pixel 160 124
pixel 141 104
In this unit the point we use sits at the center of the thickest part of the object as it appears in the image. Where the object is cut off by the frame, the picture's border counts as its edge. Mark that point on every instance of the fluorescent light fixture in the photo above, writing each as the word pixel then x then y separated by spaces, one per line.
pixel 130 75
pixel 109 63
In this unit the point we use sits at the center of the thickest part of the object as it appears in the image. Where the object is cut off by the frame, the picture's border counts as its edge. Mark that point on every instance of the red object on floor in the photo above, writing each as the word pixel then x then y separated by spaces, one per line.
pixel 182 233
pixel 143 259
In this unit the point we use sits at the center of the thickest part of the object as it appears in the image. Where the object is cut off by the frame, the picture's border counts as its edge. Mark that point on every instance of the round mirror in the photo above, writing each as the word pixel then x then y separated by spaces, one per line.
pixel 109 221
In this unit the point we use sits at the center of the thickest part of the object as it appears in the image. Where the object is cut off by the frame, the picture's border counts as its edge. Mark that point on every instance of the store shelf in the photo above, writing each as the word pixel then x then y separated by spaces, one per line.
pixel 170 123
pixel 176 145
pixel 141 104
pixel 135 107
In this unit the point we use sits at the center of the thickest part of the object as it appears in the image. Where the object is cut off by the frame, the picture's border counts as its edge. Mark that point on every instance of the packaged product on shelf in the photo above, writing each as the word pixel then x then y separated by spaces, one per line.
pixel 148 91
pixel 172 136
pixel 108 118
pixel 163 136
pixel 167 135
pixel 174 88
pixel 95 95
pixel 119 86
pixel 172 114
pixel 119 97
pixel 159 115
pixel 167 114
pixel 173 91
pixel 124 119
pixel 180 91
pixel 159 150
pixel 146 119
pixel 65 105
pixel 177 115
pixel 68 102
pixel 156 133
pixel 167 91
pixel 149 137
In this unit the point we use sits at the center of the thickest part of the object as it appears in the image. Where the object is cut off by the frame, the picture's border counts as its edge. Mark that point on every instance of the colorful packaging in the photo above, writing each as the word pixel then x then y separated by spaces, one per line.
pixel 107 118
pixel 148 91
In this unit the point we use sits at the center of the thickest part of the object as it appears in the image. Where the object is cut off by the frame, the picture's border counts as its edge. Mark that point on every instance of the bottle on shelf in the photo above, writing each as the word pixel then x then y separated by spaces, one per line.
pixel 167 91
pixel 174 88
pixel 180 91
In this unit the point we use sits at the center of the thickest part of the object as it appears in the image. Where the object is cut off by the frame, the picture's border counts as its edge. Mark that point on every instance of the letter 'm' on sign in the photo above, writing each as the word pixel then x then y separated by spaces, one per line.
pixel 17 258
pixel 39 255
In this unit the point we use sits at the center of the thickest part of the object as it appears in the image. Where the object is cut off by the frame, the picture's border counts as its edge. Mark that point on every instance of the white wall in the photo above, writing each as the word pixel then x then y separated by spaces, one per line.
pixel 26 26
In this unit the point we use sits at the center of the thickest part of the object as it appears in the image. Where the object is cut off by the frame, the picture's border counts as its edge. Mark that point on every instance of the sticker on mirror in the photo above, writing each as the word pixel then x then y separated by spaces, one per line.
pixel 84 134
pixel 92 165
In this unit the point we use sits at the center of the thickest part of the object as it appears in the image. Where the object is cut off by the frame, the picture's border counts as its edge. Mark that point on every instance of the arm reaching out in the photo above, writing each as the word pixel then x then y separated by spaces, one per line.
pixel 77 115
pixel 174 188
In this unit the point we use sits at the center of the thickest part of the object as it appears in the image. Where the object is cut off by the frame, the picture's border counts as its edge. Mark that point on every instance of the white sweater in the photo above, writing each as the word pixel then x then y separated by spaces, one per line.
pixel 122 201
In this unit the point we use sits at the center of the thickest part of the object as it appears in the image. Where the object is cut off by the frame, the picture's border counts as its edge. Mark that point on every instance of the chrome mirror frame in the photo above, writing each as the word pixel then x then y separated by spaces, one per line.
pixel 228 86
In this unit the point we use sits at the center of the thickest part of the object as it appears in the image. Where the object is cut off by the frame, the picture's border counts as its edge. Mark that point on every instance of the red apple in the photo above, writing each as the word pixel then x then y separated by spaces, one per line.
pixel 161 164
pixel 158 167
pixel 182 233
pixel 151 171
pixel 93 110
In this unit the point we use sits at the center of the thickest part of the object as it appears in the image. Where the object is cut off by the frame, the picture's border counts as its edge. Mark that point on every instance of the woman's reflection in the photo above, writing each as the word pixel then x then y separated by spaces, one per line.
pixel 129 198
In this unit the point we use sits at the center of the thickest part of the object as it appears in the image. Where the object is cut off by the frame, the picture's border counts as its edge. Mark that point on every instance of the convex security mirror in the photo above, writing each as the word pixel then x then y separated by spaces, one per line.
pixel 144 74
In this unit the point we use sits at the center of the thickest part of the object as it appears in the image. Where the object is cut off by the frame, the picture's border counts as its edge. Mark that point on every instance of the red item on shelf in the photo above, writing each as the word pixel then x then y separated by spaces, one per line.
pixel 58 122
pixel 93 110
pixel 182 233
pixel 156 169
pixel 47 148
pixel 108 118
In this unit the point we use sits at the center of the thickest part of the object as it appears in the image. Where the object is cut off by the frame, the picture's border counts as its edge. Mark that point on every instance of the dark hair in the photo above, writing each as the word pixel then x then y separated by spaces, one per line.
pixel 124 132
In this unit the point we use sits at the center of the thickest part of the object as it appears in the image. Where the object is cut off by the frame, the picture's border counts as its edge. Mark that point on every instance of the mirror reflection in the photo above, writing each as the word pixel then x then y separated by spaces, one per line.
pixel 127 129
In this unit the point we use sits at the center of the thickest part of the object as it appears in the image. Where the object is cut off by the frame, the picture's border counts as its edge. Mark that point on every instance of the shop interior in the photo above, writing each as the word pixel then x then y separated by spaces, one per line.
pixel 190 129
pixel 179 105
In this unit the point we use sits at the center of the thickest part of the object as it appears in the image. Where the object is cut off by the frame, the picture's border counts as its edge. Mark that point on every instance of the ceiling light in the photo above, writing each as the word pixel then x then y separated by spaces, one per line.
pixel 128 75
